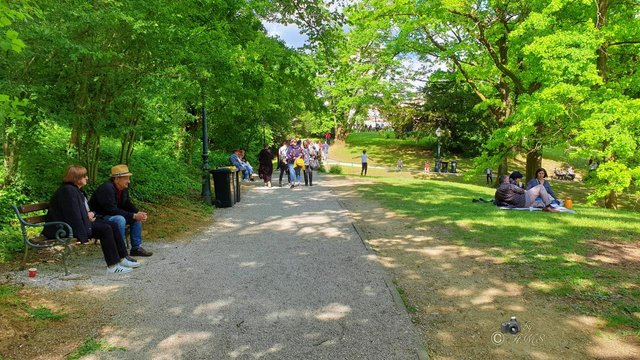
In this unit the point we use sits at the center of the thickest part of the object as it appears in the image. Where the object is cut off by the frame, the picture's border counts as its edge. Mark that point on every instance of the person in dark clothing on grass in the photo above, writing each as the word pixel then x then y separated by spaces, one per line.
pixel 511 195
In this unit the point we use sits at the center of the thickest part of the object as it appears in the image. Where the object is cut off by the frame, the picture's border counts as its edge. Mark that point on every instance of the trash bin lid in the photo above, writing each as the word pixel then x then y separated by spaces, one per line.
pixel 222 170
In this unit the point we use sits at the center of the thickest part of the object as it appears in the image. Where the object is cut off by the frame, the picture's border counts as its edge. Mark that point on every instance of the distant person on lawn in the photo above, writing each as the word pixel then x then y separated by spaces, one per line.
pixel 509 194
pixel 69 205
pixel 111 202
pixel 364 159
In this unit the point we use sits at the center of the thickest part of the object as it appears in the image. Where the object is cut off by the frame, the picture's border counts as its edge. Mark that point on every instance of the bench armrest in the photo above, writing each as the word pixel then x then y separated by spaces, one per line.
pixel 64 232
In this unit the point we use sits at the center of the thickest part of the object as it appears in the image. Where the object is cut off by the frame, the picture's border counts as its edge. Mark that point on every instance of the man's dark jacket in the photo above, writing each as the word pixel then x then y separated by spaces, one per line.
pixel 510 195
pixel 68 205
pixel 104 201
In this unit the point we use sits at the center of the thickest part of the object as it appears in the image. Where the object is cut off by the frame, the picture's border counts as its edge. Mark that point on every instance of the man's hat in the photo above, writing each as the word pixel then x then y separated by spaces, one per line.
pixel 120 170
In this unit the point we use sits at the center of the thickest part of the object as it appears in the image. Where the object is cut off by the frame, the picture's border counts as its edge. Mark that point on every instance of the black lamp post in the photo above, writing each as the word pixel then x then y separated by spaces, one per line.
pixel 206 183
pixel 438 135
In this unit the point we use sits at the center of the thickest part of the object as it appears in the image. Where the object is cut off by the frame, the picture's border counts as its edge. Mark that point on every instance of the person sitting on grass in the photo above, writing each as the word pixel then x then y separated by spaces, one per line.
pixel 541 179
pixel 69 205
pixel 509 194
pixel 516 179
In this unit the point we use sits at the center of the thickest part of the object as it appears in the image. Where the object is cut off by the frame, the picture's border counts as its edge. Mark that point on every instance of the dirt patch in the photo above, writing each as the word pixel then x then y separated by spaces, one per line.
pixel 23 336
pixel 626 255
pixel 461 295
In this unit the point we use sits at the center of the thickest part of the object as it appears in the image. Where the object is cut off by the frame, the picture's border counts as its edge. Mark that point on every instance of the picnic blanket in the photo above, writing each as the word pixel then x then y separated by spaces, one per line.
pixel 556 207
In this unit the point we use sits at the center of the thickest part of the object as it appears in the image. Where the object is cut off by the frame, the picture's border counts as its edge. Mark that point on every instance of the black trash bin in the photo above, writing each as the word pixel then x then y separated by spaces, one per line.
pixel 444 165
pixel 223 187
pixel 237 188
pixel 454 166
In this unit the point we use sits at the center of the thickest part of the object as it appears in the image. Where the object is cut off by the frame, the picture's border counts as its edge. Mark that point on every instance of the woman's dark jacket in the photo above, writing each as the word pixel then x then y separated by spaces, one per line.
pixel 68 205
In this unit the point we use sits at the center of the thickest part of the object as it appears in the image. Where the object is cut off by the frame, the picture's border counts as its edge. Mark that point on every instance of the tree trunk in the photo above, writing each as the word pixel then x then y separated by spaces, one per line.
pixel 8 158
pixel 126 147
pixel 534 162
pixel 611 201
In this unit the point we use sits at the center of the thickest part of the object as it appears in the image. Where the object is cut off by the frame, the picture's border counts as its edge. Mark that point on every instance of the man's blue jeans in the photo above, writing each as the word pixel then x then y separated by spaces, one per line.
pixel 135 231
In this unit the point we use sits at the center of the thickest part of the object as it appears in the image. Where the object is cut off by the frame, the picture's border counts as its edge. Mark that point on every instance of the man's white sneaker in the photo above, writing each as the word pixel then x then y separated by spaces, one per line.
pixel 128 263
pixel 118 269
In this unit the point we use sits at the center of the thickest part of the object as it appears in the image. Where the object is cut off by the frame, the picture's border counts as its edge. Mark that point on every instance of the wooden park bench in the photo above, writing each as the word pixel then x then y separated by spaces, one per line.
pixel 32 216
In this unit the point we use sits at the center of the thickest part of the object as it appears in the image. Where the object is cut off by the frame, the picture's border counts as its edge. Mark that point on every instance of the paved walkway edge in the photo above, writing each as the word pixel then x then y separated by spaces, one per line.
pixel 422 351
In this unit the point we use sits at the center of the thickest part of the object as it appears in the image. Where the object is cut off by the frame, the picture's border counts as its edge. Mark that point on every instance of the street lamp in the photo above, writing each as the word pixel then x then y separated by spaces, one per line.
pixel 206 184
pixel 438 135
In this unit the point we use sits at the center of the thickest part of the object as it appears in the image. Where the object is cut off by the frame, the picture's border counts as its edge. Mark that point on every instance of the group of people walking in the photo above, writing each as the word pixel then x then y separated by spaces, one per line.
pixel 296 158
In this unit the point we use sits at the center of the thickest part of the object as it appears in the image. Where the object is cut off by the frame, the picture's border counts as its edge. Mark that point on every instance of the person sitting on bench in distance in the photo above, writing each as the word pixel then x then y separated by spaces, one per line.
pixel 111 201
pixel 509 194
pixel 69 205
pixel 236 160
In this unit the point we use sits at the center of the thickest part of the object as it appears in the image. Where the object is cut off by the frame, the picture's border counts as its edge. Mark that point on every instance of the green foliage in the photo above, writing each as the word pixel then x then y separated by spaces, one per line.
pixel 335 169
pixel 90 346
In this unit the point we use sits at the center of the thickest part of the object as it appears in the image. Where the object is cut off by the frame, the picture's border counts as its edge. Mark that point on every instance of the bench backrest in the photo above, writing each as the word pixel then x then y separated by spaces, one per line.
pixel 25 210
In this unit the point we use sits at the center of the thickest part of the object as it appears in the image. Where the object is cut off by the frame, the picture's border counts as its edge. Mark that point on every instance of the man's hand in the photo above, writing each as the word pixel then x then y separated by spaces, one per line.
pixel 140 216
pixel 92 216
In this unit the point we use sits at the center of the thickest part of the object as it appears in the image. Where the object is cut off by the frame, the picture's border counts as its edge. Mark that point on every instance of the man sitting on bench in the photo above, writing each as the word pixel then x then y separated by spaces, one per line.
pixel 111 202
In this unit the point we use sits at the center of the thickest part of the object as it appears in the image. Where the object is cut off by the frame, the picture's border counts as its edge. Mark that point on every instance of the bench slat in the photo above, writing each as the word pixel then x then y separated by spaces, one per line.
pixel 24 209
pixel 36 219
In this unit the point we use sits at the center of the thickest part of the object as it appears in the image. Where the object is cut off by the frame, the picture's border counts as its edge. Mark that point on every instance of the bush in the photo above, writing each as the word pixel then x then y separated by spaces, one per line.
pixel 335 169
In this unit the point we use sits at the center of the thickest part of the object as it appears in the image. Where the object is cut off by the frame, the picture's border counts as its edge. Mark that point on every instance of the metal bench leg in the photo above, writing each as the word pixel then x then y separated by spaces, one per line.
pixel 65 255
pixel 26 252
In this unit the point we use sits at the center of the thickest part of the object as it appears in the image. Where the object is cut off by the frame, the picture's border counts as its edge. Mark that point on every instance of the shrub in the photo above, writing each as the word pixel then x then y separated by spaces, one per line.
pixel 335 169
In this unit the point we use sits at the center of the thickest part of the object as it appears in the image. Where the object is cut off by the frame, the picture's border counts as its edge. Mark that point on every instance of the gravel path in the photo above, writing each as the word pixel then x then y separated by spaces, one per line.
pixel 281 275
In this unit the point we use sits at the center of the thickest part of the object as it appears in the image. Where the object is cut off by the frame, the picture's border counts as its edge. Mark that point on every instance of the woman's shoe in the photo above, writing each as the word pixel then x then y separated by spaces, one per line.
pixel 118 269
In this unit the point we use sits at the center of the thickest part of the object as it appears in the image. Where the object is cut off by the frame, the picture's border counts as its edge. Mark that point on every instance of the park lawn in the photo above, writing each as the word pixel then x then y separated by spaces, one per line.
pixel 553 253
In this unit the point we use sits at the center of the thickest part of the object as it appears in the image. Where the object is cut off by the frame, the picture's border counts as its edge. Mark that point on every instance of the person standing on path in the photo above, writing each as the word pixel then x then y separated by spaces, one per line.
pixel 265 170
pixel 489 176
pixel 282 161
pixel 364 158
pixel 309 154
pixel 294 152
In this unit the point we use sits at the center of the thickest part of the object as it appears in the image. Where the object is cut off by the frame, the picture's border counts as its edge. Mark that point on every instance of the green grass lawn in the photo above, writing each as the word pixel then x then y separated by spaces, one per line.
pixel 548 252
pixel 553 253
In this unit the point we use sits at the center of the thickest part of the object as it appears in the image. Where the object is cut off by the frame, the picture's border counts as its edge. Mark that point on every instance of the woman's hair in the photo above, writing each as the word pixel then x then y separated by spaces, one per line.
pixel 74 173
pixel 541 169
pixel 516 175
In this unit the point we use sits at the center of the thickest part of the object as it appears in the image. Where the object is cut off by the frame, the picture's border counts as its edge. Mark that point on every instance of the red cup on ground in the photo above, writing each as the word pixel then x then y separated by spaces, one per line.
pixel 33 272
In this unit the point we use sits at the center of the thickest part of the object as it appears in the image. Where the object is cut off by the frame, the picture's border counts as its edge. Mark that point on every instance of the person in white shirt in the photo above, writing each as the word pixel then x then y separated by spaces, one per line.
pixel 282 160
pixel 364 158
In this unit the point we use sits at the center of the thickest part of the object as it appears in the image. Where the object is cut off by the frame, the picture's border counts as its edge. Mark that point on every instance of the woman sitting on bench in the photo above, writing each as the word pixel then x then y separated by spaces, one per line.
pixel 69 205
